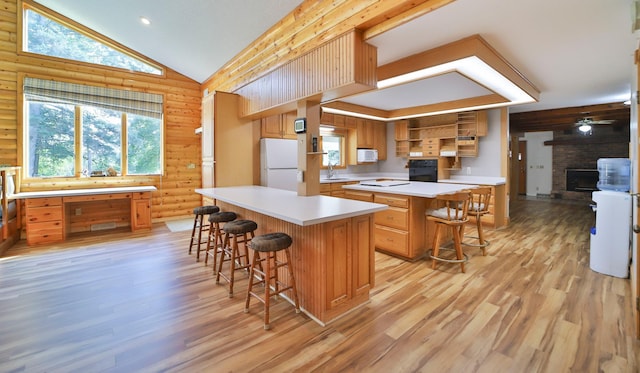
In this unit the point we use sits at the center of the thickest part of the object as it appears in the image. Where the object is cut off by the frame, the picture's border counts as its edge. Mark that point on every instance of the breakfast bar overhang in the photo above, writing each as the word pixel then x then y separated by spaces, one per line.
pixel 333 242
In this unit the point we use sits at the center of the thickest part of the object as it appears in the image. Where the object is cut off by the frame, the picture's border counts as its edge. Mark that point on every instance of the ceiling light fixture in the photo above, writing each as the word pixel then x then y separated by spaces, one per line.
pixel 145 20
pixel 584 128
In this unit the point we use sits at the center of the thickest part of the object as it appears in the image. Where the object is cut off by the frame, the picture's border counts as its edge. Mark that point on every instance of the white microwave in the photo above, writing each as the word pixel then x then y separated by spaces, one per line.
pixel 367 155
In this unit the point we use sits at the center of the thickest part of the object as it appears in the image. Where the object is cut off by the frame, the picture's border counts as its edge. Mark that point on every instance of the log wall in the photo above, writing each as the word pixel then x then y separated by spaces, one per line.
pixel 182 100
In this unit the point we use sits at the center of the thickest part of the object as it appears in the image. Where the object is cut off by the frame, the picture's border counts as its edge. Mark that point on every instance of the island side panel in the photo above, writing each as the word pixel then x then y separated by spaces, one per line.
pixel 328 262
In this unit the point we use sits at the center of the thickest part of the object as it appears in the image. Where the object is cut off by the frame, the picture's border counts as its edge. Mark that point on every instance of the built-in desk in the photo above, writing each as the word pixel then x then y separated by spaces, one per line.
pixel 51 215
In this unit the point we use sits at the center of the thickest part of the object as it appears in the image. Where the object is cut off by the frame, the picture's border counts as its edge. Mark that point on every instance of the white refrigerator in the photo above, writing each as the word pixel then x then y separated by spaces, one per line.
pixel 611 237
pixel 279 163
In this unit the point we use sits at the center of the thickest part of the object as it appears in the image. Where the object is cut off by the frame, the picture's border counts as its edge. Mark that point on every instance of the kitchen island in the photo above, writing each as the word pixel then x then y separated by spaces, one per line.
pixel 402 230
pixel 332 250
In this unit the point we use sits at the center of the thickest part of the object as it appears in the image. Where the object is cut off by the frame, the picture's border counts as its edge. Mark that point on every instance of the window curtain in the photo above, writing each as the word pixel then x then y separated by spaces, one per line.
pixel 140 103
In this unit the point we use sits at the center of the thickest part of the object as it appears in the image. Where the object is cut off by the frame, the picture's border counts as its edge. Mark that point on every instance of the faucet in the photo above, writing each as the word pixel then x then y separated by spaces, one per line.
pixel 330 170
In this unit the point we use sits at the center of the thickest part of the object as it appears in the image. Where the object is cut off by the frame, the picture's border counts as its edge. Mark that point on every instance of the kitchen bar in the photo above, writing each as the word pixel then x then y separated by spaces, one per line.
pixel 332 248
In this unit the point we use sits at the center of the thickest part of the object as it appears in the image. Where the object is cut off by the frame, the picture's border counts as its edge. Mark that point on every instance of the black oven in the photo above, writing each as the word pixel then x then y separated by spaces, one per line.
pixel 423 170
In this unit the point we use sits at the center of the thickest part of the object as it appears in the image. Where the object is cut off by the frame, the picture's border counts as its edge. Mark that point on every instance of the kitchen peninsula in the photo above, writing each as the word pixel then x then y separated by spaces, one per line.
pixel 332 248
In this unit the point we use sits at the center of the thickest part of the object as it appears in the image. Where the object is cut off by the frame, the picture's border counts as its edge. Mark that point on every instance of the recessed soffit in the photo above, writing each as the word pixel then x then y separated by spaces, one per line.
pixel 464 75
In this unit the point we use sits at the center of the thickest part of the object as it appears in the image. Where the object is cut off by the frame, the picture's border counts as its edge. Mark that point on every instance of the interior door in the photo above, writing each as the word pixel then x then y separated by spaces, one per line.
pixel 522 167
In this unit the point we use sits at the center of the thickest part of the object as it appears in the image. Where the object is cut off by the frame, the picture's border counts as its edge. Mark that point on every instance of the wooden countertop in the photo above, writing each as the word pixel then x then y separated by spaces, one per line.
pixel 289 206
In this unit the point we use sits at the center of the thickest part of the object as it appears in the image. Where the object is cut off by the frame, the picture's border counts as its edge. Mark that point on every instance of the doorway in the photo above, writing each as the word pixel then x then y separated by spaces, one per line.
pixel 521 160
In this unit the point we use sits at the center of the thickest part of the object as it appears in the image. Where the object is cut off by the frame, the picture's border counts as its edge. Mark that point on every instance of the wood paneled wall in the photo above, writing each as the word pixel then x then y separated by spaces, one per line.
pixel 182 100
pixel 343 66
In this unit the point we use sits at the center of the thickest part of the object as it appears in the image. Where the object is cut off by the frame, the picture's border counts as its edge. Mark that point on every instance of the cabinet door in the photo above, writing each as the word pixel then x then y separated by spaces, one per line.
pixel 270 126
pixel 287 125
pixel 380 139
pixel 140 214
pixel 364 133
pixel 363 255
pixel 339 263
pixel 402 130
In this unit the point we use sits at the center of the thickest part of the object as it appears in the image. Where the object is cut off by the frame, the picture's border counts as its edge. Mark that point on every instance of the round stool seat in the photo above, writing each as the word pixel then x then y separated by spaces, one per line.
pixel 206 210
pixel 240 226
pixel 271 242
pixel 222 217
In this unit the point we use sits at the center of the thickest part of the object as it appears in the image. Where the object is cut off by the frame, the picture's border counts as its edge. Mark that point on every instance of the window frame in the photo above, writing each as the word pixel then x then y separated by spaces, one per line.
pixel 66 22
pixel 336 132
pixel 23 142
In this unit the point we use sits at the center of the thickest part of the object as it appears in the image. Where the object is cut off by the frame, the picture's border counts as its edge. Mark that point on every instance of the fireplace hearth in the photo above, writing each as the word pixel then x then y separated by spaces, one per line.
pixel 581 180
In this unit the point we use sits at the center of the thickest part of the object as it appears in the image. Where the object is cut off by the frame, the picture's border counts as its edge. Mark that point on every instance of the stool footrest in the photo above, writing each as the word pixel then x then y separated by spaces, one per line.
pixel 441 259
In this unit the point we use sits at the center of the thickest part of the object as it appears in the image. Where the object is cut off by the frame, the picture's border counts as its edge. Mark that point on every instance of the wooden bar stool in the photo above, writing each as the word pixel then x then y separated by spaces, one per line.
pixel 216 238
pixel 453 215
pixel 478 207
pixel 235 232
pixel 200 226
pixel 270 244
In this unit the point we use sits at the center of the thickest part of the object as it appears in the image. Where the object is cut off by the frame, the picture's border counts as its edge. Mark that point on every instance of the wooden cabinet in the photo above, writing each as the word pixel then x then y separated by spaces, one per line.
pixel 333 189
pixel 400 230
pixel 496 217
pixel 44 218
pixel 349 261
pixel 279 126
pixel 402 138
pixel 358 195
pixel 380 139
pixel 364 133
pixel 141 211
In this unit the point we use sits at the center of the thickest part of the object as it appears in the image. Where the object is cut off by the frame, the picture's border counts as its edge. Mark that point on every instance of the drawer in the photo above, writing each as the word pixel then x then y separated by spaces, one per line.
pixel 393 217
pixel 43 202
pixel 431 141
pixel 394 201
pixel 141 195
pixel 431 153
pixel 392 240
pixel 44 232
pixel 325 187
pixel 337 193
pixel 44 214
pixel 360 196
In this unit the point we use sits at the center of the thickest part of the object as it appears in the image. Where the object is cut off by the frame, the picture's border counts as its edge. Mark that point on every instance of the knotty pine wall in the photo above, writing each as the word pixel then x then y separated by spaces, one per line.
pixel 182 99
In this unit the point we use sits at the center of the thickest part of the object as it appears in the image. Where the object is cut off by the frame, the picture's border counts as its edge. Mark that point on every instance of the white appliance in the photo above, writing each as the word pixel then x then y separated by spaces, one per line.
pixel 611 240
pixel 279 163
pixel 367 155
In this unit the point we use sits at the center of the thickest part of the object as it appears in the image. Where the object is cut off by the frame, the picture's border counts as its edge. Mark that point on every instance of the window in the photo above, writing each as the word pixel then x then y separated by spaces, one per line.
pixel 74 130
pixel 46 36
pixel 332 147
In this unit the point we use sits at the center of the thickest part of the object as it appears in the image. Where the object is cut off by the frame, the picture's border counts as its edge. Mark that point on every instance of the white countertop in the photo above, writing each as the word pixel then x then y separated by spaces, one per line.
pixel 289 206
pixel 82 192
pixel 477 180
pixel 414 188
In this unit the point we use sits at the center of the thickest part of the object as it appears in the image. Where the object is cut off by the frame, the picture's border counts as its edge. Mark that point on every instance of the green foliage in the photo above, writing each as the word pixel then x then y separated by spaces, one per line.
pixel 47 37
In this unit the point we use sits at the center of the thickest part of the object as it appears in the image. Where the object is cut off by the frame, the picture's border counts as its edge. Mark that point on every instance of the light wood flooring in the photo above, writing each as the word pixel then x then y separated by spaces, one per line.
pixel 139 303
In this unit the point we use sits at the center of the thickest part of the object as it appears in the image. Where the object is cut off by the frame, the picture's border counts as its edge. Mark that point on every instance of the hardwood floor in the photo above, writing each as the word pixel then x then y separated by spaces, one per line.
pixel 139 302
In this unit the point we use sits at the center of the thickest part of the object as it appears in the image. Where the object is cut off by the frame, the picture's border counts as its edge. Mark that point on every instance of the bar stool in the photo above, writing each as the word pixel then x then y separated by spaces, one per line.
pixel 216 235
pixel 478 207
pixel 270 244
pixel 453 215
pixel 235 232
pixel 198 224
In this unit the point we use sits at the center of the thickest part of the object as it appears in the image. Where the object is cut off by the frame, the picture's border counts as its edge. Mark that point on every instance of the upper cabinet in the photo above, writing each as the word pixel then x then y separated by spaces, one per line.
pixel 364 133
pixel 279 126
pixel 380 139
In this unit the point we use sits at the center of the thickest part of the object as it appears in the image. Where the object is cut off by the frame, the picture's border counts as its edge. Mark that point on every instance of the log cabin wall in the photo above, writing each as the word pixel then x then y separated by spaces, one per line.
pixel 182 100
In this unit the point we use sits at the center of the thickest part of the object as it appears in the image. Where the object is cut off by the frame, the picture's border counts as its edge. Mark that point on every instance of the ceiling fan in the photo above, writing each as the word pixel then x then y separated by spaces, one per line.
pixel 585 125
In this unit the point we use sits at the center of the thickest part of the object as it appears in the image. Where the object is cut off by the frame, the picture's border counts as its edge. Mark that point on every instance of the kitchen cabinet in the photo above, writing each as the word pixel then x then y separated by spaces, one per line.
pixel 334 189
pixel 44 219
pixel 402 138
pixel 140 211
pixel 380 139
pixel 278 126
pixel 400 230
pixel 364 133
pixel 497 209
pixel 349 261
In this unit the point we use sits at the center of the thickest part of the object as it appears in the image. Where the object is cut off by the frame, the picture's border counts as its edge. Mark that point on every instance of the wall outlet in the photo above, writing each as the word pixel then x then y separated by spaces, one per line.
pixel 191 165
pixel 78 211
pixel 300 176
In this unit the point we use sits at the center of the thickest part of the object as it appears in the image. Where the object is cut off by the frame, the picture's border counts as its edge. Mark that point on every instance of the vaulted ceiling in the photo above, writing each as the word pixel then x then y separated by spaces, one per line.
pixel 578 53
